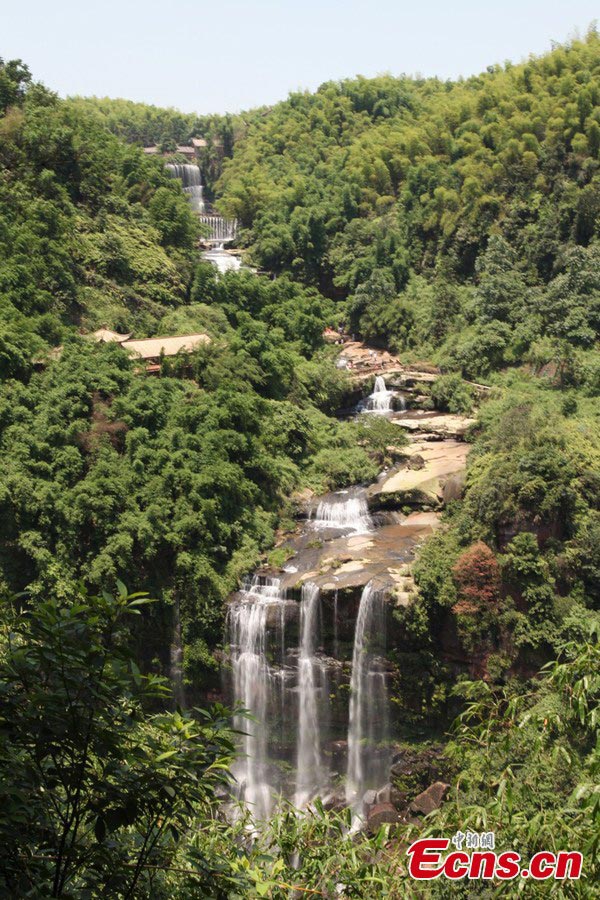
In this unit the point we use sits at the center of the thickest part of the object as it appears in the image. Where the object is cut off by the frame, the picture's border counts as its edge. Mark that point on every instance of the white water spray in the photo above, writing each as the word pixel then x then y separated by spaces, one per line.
pixel 380 401
pixel 310 772
pixel 368 722
pixel 344 510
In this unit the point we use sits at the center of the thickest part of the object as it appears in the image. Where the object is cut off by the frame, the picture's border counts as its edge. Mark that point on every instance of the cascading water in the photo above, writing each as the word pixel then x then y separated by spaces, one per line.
pixel 254 687
pixel 176 659
pixel 222 230
pixel 380 401
pixel 222 260
pixel 190 178
pixel 282 676
pixel 344 510
pixel 312 683
pixel 368 723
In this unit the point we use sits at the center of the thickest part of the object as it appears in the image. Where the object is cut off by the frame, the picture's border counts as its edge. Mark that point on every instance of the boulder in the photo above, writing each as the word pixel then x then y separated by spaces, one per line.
pixel 382 814
pixel 369 800
pixel 390 794
pixel 454 487
pixel 430 799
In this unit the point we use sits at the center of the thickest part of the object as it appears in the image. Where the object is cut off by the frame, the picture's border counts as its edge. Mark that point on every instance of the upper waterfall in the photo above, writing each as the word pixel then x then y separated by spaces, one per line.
pixel 191 179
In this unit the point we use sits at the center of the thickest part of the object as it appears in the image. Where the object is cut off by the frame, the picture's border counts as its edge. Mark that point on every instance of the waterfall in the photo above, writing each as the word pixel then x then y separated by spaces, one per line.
pixel 176 659
pixel 368 722
pixel 190 178
pixel 336 640
pixel 223 260
pixel 344 510
pixel 380 401
pixel 221 230
pixel 281 676
pixel 310 773
pixel 253 685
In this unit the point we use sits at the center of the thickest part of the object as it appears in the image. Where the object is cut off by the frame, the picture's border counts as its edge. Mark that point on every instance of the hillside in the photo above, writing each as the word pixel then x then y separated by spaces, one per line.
pixel 454 224
pixel 459 219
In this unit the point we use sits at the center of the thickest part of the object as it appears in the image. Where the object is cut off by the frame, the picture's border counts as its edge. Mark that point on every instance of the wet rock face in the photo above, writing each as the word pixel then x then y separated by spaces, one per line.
pixel 430 799
pixel 421 480
pixel 381 814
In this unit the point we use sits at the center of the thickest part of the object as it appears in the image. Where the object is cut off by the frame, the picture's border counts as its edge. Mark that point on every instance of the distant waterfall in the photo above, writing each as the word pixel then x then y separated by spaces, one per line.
pixel 312 683
pixel 176 659
pixel 222 230
pixel 344 510
pixel 380 401
pixel 368 724
pixel 222 260
pixel 190 178
pixel 253 687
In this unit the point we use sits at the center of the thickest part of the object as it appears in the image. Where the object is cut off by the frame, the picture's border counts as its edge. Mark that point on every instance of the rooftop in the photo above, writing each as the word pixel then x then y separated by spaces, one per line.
pixel 106 336
pixel 152 348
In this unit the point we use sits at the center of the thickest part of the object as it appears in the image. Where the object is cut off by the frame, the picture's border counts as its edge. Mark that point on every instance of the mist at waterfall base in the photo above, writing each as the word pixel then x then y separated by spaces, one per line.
pixel 224 261
pixel 284 680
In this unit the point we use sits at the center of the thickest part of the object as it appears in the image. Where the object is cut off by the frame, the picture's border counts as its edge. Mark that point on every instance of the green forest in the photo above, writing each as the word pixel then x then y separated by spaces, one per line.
pixel 455 224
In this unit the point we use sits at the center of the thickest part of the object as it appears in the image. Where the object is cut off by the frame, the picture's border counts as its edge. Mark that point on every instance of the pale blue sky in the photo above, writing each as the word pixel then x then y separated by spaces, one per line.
pixel 228 55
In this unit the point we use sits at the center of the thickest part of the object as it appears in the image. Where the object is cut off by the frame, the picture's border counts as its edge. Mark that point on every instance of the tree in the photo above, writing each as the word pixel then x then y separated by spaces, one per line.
pixel 14 79
pixel 95 795
pixel 477 575
pixel 502 290
pixel 172 217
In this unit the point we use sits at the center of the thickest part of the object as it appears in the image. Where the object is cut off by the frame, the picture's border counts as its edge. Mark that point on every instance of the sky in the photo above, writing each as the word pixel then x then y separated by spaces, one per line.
pixel 230 55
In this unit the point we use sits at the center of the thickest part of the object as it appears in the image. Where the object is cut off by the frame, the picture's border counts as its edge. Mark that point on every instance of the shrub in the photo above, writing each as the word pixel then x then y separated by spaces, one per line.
pixel 477 574
pixel 451 394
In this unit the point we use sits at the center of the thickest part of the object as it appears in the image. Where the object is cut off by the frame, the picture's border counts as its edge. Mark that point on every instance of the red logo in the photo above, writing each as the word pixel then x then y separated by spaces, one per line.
pixel 427 862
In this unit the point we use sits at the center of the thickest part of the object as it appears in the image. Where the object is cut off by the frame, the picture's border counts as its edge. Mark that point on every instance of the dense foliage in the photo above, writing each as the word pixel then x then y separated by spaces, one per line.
pixel 450 222
pixel 92 232
pixel 177 482
pixel 165 129
pixel 458 218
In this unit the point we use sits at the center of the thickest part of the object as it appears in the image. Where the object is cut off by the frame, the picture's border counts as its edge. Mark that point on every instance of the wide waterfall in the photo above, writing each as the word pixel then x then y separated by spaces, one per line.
pixel 253 686
pixel 190 178
pixel 344 510
pixel 282 676
pixel 311 775
pixel 222 230
pixel 368 724
pixel 380 401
